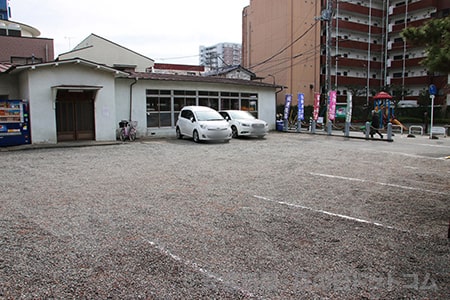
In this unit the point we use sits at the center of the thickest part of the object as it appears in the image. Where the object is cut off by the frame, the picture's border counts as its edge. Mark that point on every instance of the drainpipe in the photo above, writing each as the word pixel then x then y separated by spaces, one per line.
pixel 131 97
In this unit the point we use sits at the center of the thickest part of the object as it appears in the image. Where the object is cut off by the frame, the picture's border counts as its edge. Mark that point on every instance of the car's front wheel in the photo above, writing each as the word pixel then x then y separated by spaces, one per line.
pixel 195 136
pixel 179 135
pixel 234 132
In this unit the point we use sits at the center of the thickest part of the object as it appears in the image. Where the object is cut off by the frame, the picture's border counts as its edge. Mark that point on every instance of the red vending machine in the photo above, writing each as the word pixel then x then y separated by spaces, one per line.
pixel 14 123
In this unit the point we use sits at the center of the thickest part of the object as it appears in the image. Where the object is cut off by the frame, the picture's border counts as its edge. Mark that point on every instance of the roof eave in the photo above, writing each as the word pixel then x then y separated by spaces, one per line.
pixel 72 61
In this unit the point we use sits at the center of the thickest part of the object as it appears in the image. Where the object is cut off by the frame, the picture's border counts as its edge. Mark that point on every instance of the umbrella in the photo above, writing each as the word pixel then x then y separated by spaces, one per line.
pixel 382 95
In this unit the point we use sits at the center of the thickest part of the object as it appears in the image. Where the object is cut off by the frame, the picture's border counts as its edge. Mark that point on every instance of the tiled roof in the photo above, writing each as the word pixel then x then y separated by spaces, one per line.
pixel 200 79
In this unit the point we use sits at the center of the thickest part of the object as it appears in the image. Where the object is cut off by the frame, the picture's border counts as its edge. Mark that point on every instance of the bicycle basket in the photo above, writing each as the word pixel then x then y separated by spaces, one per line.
pixel 123 123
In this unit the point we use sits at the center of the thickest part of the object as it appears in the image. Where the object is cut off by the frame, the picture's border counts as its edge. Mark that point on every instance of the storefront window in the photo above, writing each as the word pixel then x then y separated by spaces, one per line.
pixel 163 104
pixel 159 108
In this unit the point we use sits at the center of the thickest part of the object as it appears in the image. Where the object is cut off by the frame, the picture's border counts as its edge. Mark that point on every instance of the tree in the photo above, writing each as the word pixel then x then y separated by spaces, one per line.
pixel 435 35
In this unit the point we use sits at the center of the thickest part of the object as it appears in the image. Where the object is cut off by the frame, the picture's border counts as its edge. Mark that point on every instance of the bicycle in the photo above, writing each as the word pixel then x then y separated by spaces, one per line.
pixel 127 130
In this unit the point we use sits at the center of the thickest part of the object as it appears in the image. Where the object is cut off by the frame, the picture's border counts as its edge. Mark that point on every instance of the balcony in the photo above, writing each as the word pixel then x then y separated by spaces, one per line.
pixel 399 46
pixel 353 81
pixel 398 64
pixel 357 45
pixel 352 26
pixel 354 63
pixel 400 27
pixel 419 80
pixel 419 5
pixel 358 9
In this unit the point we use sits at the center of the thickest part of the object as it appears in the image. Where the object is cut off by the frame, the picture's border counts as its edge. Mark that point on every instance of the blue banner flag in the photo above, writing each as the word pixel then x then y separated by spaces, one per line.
pixel 301 107
pixel 287 106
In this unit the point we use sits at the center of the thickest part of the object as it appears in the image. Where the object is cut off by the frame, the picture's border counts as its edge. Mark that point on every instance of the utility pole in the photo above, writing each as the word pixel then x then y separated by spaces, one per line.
pixel 327 17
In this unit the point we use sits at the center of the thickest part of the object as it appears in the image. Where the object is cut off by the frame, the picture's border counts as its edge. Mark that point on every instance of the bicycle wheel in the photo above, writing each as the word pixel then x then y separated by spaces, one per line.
pixel 132 135
pixel 122 134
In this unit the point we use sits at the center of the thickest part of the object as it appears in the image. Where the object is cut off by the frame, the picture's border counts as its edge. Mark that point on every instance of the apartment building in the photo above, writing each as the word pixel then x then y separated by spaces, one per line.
pixel 281 43
pixel 220 55
pixel 286 42
pixel 5 12
pixel 403 60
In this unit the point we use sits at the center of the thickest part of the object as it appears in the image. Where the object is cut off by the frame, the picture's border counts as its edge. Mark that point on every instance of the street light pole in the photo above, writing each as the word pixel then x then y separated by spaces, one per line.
pixel 431 118
pixel 432 90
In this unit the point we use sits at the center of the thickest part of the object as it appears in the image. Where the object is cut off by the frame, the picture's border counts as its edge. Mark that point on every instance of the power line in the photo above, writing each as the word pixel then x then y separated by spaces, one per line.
pixel 285 48
pixel 179 57
pixel 306 56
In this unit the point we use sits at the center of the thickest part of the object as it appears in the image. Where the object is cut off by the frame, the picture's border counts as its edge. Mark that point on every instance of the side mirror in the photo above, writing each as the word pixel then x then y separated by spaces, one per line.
pixel 192 119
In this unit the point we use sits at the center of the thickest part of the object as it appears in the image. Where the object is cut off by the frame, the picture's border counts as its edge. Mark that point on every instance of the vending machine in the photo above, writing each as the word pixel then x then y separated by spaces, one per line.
pixel 14 123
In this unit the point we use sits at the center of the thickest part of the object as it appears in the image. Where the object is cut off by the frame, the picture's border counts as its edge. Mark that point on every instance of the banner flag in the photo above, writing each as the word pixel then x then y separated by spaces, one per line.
pixel 316 106
pixel 301 107
pixel 348 118
pixel 287 106
pixel 332 106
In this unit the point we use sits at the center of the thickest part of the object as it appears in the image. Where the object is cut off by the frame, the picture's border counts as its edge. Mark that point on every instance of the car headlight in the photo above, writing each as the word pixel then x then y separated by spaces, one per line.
pixel 245 124
pixel 203 126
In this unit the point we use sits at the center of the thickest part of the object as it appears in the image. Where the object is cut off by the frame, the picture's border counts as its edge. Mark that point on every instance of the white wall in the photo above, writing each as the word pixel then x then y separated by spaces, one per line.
pixel 39 86
pixel 102 51
pixel 266 101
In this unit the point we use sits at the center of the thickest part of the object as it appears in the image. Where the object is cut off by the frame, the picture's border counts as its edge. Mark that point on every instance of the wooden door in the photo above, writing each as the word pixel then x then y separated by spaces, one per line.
pixel 75 119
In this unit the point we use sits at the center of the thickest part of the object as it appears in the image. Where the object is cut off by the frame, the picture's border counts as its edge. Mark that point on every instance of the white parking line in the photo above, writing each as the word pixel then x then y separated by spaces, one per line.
pixel 406 154
pixel 379 183
pixel 328 213
pixel 199 269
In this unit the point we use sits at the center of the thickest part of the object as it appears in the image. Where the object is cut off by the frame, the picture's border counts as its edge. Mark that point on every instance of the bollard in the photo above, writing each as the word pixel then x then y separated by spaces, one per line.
pixel 347 129
pixel 329 128
pixel 299 125
pixel 313 126
pixel 367 129
pixel 389 131
pixel 285 125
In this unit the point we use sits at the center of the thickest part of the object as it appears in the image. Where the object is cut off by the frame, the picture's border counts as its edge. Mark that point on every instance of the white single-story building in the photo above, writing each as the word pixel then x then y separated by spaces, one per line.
pixel 79 99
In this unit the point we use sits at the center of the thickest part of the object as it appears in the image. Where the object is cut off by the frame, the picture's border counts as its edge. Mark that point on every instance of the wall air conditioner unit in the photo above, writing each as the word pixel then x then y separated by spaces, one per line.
pixel 391 26
pixel 388 80
pixel 390 45
pixel 391 10
pixel 389 62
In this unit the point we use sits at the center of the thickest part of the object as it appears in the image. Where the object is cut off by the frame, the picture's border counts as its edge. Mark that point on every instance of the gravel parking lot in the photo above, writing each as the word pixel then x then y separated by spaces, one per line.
pixel 291 216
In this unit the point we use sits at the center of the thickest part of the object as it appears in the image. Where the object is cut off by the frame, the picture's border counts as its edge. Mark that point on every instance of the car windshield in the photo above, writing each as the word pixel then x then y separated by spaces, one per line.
pixel 208 116
pixel 241 114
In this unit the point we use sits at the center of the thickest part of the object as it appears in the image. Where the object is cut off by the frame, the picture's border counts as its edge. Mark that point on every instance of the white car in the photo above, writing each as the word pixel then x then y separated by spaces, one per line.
pixel 202 123
pixel 244 123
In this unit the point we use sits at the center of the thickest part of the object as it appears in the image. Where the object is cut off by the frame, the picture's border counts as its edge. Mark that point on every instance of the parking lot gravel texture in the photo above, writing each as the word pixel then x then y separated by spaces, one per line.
pixel 291 216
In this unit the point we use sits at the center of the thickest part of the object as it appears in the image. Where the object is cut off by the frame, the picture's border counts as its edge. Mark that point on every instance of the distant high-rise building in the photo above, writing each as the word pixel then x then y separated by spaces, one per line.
pixel 286 42
pixel 220 56
pixel 5 12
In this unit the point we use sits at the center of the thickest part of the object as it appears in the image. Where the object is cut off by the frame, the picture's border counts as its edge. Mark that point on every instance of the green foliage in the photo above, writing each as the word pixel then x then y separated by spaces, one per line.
pixel 435 35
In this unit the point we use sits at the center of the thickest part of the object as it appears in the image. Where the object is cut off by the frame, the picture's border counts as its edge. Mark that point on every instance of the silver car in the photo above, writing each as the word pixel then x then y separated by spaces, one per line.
pixel 244 123
pixel 202 123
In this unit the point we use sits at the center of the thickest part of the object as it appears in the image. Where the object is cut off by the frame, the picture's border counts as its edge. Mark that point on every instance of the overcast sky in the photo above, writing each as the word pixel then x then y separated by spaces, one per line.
pixel 168 31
